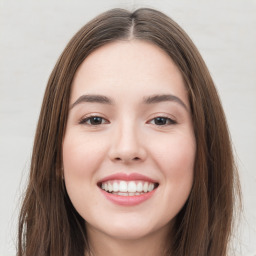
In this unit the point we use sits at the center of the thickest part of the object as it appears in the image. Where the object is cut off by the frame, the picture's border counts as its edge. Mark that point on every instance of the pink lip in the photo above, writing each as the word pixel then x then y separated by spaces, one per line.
pixel 127 177
pixel 127 200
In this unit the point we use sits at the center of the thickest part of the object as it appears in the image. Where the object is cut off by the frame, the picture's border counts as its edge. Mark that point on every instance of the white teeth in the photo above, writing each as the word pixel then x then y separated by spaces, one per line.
pixel 145 187
pixel 139 187
pixel 115 186
pixel 127 194
pixel 110 188
pixel 150 187
pixel 125 188
pixel 132 186
pixel 122 194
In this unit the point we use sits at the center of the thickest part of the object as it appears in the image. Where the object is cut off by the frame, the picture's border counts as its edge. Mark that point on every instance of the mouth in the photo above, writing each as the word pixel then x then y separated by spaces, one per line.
pixel 127 188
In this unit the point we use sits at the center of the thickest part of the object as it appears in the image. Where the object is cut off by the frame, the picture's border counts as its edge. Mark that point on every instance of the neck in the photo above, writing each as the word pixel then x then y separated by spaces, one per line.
pixel 101 244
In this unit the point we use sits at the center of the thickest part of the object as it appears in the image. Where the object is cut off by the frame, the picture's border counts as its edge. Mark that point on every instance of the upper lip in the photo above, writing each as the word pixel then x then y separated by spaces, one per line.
pixel 127 177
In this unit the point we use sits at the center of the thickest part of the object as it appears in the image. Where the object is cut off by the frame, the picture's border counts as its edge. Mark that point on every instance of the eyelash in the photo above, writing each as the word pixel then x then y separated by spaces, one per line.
pixel 166 121
pixel 85 121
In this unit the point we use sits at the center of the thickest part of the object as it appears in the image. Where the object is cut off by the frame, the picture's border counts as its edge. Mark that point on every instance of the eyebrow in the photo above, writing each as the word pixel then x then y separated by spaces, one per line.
pixel 164 97
pixel 94 98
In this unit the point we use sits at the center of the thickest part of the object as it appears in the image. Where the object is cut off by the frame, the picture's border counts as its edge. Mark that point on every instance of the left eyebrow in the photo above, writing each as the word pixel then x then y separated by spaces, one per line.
pixel 162 98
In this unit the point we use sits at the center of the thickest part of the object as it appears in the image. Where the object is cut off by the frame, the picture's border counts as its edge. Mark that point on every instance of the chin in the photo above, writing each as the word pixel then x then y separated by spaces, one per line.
pixel 129 232
pixel 131 228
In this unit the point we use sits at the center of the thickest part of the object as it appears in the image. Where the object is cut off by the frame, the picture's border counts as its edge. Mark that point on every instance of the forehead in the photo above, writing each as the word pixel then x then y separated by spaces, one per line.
pixel 128 67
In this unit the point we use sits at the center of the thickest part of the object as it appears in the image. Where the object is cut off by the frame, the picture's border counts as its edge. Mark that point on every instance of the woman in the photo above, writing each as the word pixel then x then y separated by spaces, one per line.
pixel 132 153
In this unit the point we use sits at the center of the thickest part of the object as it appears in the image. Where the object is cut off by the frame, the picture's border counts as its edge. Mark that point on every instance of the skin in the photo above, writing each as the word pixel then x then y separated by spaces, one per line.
pixel 128 139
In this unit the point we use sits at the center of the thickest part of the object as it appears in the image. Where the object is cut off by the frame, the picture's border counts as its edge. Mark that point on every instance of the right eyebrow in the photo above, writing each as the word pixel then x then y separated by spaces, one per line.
pixel 92 98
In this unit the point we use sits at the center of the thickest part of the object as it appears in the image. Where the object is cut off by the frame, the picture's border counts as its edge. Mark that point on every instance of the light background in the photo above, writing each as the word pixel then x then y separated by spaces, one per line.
pixel 34 33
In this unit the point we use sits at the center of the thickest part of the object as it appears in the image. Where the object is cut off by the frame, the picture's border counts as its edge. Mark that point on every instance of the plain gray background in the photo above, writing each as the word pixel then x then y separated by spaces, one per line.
pixel 34 33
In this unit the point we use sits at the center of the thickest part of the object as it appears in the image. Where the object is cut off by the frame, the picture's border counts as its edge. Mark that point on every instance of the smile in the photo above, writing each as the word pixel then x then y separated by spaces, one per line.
pixel 128 188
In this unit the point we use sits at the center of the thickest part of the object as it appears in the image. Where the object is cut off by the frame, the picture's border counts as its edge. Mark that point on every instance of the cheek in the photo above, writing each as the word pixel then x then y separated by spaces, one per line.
pixel 175 157
pixel 176 161
pixel 82 155
pixel 175 153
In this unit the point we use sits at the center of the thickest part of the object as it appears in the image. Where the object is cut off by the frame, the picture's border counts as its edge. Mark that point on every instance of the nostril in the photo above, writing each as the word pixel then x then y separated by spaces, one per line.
pixel 124 159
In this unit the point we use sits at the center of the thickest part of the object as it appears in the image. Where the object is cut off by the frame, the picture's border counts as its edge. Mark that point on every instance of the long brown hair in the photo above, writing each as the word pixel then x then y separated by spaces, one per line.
pixel 49 224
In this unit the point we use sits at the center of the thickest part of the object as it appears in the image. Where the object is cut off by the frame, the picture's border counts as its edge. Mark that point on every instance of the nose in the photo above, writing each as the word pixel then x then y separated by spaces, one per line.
pixel 127 145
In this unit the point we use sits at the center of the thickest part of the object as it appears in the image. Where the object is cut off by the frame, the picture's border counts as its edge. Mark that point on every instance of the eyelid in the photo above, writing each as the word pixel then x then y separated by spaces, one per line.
pixel 87 117
pixel 170 118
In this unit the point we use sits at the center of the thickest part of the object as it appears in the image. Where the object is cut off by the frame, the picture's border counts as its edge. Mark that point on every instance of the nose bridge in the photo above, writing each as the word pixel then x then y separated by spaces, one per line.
pixel 126 143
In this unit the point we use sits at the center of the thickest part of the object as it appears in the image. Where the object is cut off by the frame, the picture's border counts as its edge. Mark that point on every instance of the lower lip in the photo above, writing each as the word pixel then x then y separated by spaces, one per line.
pixel 128 200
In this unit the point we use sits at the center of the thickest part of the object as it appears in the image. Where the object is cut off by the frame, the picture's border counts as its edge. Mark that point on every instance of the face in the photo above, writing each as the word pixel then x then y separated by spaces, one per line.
pixel 129 146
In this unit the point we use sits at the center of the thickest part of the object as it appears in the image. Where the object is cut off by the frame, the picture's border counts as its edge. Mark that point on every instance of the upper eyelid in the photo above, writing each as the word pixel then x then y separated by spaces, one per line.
pixel 173 121
pixel 167 116
pixel 93 115
pixel 87 117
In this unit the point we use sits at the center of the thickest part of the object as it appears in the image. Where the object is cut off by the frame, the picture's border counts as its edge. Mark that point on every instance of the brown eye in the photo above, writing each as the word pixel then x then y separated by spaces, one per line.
pixel 93 120
pixel 162 121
